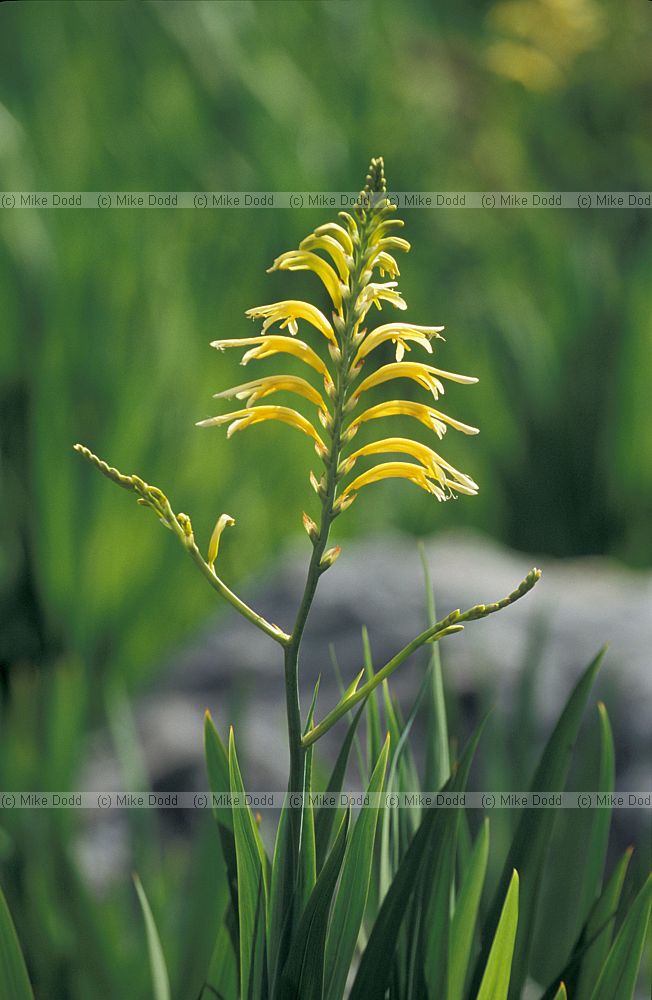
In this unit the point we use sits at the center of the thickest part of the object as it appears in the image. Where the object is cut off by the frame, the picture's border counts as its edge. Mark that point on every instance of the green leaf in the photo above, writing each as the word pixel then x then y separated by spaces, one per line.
pixel 303 977
pixel 326 817
pixel 14 981
pixel 590 951
pixel 374 738
pixel 561 993
pixel 597 847
pixel 374 972
pixel 307 850
pixel 252 886
pixel 351 898
pixel 597 934
pixel 219 782
pixel 466 914
pixel 529 846
pixel 495 981
pixel 437 752
pixel 222 977
pixel 160 980
pixel 618 976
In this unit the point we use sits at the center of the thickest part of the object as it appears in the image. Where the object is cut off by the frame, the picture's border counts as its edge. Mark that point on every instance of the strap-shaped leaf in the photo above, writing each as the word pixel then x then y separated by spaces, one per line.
pixel 351 898
pixel 465 915
pixel 618 976
pixel 597 847
pixel 325 818
pixel 303 977
pixel 252 886
pixel 14 981
pixel 160 979
pixel 219 781
pixel 529 847
pixel 592 947
pixel 495 981
pixel 374 972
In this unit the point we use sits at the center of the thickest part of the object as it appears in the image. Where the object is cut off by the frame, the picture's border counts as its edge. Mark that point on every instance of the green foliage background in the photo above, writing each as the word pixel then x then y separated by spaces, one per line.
pixel 107 315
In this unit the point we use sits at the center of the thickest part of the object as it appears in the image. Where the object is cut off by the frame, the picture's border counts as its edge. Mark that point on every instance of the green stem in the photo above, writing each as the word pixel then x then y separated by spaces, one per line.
pixel 454 622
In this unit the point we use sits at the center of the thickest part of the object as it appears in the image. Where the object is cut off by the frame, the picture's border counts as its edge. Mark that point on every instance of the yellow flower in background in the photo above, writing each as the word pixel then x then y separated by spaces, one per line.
pixel 348 256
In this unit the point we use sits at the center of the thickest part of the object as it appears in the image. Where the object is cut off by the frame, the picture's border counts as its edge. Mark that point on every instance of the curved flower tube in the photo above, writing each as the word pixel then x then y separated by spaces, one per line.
pixel 288 312
pixel 432 418
pixel 239 420
pixel 270 345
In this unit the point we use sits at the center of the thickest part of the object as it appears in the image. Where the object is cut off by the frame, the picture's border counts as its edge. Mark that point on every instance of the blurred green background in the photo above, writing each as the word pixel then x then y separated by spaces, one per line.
pixel 107 315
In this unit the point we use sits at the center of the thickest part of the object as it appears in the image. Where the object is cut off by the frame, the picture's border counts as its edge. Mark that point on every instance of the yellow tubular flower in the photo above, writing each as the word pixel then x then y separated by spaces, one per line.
pixel 333 249
pixel 432 418
pixel 374 293
pixel 425 375
pixel 339 233
pixel 304 260
pixel 288 312
pixel 401 334
pixel 269 345
pixel 261 387
pixel 437 466
pixel 241 419
pixel 385 263
pixel 396 470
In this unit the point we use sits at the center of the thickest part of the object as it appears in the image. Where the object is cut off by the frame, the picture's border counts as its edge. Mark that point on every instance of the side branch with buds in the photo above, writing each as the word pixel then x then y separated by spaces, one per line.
pixel 181 526
pixel 454 622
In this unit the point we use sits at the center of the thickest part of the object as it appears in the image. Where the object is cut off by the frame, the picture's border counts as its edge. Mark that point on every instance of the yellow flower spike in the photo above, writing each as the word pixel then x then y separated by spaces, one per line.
pixel 401 334
pixel 438 467
pixel 338 233
pixel 424 375
pixel 304 260
pixel 223 521
pixel 241 419
pixel 342 262
pixel 271 344
pixel 396 470
pixel 287 312
pixel 432 418
pixel 259 388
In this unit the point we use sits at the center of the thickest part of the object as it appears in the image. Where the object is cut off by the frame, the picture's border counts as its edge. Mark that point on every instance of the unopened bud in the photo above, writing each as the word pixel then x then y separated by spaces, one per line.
pixel 334 352
pixel 338 324
pixel 319 486
pixel 343 503
pixel 186 524
pixel 310 527
pixel 223 521
pixel 329 557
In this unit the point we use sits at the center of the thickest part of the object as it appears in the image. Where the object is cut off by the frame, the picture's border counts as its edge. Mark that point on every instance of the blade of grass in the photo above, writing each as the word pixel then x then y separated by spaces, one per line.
pixel 496 978
pixel 374 738
pixel 160 979
pixel 325 818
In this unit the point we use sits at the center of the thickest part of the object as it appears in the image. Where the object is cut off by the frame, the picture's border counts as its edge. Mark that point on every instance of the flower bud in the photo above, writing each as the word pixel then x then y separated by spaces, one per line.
pixel 223 521
pixel 311 528
pixel 329 557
